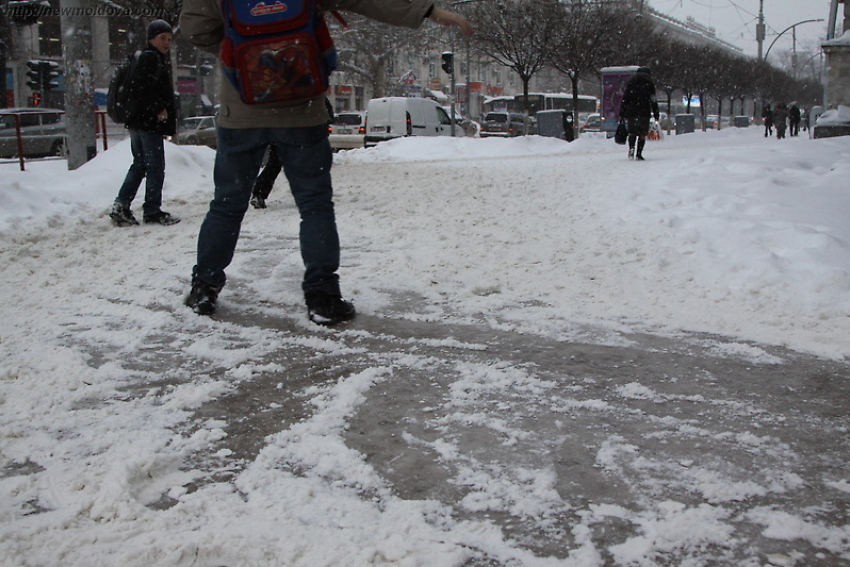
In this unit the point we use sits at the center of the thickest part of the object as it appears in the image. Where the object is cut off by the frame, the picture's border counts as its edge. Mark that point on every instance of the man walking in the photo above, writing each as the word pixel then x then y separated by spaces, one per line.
pixel 299 133
pixel 638 106
pixel 152 115
pixel 780 118
pixel 767 117
pixel 794 117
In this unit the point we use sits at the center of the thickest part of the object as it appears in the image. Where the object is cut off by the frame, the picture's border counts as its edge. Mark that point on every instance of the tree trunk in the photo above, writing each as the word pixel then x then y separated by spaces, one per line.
pixel 525 81
pixel 574 81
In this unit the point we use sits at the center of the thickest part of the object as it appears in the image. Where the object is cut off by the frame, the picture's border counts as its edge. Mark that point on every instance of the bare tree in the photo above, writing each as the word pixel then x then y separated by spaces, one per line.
pixel 589 33
pixel 519 34
pixel 666 71
pixel 366 48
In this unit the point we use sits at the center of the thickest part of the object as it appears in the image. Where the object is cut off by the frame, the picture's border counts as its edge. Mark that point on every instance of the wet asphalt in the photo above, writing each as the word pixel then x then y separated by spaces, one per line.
pixel 665 409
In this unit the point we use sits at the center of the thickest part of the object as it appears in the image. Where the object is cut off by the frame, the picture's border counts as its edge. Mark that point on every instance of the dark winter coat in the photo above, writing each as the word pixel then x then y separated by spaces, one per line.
pixel 767 114
pixel 794 114
pixel 780 115
pixel 151 92
pixel 639 98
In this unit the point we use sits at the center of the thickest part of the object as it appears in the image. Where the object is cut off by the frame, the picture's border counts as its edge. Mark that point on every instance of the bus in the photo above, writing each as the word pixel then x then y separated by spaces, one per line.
pixel 541 101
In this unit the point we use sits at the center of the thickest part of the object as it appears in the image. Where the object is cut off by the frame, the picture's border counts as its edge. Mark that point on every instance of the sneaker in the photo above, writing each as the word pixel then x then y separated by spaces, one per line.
pixel 163 218
pixel 202 298
pixel 631 153
pixel 258 202
pixel 122 216
pixel 326 309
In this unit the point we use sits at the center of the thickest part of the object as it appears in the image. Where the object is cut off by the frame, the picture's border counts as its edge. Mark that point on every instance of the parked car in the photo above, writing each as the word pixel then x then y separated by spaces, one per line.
pixel 42 132
pixel 504 124
pixel 593 123
pixel 197 131
pixel 348 130
pixel 395 117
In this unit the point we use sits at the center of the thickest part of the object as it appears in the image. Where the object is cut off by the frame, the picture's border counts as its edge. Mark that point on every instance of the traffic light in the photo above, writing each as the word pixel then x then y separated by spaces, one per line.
pixel 42 75
pixel 49 75
pixel 34 75
pixel 448 62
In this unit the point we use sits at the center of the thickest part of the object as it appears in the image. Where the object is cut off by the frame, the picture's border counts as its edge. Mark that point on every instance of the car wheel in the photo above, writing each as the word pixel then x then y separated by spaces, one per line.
pixel 192 140
pixel 58 148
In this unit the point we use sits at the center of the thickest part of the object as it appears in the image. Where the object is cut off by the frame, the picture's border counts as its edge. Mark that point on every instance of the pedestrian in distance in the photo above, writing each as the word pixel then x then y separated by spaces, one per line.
pixel 767 118
pixel 639 105
pixel 152 114
pixel 794 117
pixel 780 118
pixel 299 133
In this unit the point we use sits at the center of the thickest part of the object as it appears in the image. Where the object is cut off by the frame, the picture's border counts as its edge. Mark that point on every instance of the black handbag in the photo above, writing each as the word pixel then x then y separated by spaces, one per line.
pixel 622 134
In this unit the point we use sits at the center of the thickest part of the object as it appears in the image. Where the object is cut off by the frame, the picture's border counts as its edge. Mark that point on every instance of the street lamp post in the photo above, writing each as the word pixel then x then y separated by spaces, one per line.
pixel 791 27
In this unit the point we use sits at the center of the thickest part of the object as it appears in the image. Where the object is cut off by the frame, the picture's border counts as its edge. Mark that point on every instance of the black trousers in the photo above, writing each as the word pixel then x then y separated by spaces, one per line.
pixel 265 180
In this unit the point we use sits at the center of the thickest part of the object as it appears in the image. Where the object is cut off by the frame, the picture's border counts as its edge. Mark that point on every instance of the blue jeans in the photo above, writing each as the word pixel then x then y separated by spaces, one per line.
pixel 306 157
pixel 149 164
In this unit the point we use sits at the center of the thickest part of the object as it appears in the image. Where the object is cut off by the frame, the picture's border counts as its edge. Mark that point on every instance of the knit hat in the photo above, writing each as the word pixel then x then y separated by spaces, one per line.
pixel 157 27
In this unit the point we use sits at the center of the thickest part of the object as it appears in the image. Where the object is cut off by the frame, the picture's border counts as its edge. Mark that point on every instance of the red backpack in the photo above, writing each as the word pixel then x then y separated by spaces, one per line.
pixel 276 51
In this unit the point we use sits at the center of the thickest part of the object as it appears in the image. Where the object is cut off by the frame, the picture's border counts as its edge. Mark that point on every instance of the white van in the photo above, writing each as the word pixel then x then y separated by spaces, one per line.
pixel 396 116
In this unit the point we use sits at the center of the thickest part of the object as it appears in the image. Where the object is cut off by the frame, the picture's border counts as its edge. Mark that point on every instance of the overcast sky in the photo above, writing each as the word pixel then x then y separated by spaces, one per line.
pixel 735 20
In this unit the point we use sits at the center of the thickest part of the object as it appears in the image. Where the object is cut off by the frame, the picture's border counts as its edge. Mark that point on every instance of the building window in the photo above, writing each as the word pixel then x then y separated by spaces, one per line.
pixel 123 38
pixel 49 32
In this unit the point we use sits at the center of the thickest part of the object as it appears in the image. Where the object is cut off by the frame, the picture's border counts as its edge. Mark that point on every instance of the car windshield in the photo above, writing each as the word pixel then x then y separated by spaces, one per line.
pixel 347 119
pixel 496 117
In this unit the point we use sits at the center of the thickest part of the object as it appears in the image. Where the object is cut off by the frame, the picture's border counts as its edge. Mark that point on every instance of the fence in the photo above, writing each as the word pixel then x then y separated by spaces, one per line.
pixel 38 141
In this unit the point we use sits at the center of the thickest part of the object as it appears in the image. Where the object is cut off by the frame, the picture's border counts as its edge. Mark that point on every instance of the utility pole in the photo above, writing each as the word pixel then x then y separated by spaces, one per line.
pixel 760 29
pixel 5 44
pixel 833 18
pixel 79 85
pixel 794 52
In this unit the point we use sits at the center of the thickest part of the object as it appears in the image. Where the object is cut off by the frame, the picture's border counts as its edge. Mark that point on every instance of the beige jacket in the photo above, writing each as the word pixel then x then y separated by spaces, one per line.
pixel 202 24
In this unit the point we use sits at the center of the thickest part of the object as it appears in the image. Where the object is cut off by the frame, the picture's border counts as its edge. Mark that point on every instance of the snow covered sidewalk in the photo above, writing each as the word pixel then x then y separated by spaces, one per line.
pixel 562 358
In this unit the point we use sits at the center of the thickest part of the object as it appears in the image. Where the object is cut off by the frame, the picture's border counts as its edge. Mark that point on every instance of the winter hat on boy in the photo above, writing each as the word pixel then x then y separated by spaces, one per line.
pixel 157 27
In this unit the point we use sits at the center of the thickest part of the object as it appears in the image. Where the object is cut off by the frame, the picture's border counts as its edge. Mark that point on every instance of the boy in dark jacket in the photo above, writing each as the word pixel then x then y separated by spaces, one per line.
pixel 152 115
pixel 638 106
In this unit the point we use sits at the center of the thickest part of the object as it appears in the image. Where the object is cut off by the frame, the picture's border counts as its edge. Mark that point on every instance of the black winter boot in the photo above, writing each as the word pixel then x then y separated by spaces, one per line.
pixel 202 298
pixel 328 309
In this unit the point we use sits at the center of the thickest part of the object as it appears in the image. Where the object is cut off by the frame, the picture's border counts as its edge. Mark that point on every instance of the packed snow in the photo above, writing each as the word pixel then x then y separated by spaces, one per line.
pixel 725 233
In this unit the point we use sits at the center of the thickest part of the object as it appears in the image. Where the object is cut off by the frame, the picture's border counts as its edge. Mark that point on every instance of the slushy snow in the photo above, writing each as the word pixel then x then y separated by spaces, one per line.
pixel 725 233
